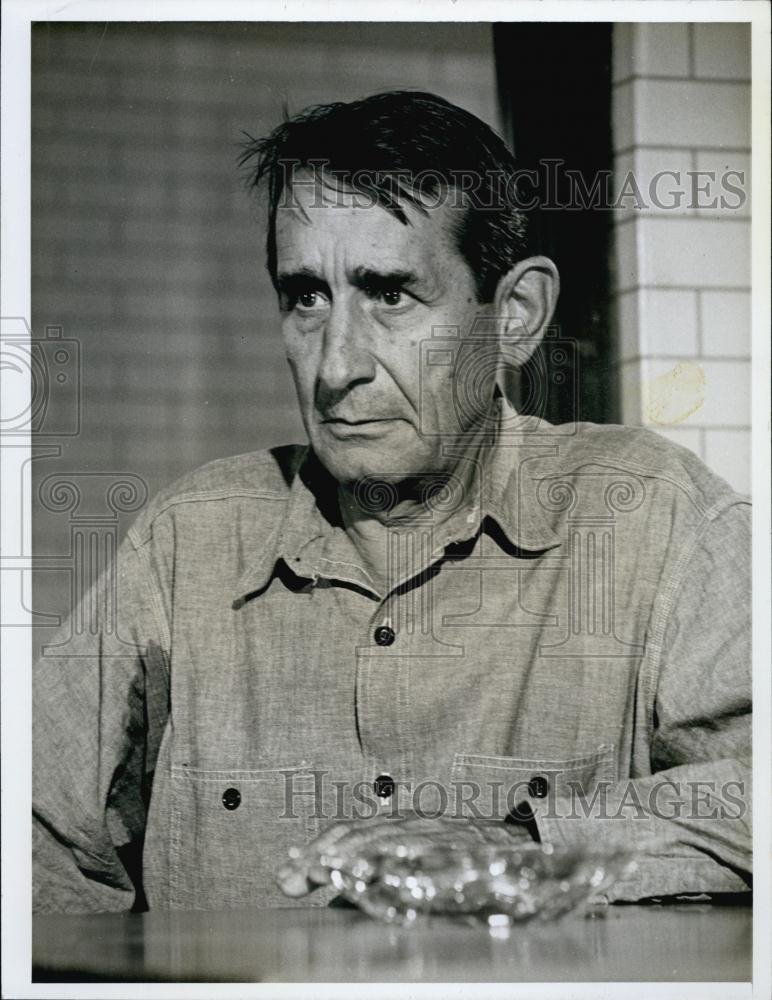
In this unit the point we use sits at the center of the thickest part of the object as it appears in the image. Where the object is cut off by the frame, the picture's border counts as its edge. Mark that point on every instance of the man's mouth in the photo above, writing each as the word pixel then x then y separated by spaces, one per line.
pixel 344 427
pixel 348 422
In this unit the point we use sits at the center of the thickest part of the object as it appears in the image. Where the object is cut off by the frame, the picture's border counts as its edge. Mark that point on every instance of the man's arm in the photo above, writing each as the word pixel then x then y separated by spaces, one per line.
pixel 691 818
pixel 98 711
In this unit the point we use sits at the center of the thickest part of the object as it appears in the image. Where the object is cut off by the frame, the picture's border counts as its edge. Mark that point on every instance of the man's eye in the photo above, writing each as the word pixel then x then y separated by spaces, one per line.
pixel 309 300
pixel 392 296
pixel 388 296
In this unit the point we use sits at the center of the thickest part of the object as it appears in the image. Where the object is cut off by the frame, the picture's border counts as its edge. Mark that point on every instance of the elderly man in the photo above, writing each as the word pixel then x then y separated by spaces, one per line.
pixel 440 621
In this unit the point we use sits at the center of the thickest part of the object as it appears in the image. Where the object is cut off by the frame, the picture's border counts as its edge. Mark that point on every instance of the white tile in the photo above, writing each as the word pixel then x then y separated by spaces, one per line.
pixel 690 393
pixel 628 326
pixel 692 113
pixel 728 453
pixel 692 252
pixel 630 379
pixel 626 255
pixel 628 199
pixel 622 50
pixel 726 184
pixel 661 49
pixel 727 394
pixel 672 391
pixel 722 51
pixel 725 322
pixel 668 322
pixel 650 49
pixel 653 182
pixel 623 115
pixel 654 321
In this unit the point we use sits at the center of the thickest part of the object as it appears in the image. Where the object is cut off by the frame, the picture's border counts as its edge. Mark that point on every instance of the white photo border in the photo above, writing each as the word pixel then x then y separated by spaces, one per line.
pixel 18 15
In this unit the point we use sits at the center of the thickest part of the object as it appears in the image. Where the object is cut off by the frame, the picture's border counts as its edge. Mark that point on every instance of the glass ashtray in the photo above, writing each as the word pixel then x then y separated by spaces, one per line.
pixel 494 885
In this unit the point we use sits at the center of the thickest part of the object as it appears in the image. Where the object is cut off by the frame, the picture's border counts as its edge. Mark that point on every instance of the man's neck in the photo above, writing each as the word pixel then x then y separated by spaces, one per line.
pixel 373 511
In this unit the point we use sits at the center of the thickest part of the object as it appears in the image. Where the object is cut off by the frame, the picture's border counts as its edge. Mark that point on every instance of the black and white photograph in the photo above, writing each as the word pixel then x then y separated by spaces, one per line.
pixel 385 467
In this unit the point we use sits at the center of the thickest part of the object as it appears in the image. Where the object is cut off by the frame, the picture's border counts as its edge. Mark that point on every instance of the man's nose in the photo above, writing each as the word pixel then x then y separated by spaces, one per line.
pixel 346 360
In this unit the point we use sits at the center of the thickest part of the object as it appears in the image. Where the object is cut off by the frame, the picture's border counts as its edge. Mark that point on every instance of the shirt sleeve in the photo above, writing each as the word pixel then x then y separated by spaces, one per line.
pixel 689 821
pixel 100 697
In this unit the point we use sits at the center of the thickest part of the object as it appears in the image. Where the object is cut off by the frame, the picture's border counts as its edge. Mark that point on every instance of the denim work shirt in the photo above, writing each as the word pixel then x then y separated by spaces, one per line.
pixel 573 639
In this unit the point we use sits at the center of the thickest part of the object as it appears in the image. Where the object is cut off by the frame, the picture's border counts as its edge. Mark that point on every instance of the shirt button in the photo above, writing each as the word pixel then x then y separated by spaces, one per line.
pixel 538 786
pixel 384 786
pixel 231 798
pixel 384 635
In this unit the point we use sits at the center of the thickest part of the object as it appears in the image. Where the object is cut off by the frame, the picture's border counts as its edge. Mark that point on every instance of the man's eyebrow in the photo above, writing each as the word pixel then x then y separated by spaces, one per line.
pixel 300 272
pixel 362 277
pixel 302 276
pixel 367 277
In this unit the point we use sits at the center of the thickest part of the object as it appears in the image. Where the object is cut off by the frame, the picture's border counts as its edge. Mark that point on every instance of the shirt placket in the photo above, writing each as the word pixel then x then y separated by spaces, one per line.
pixel 382 692
pixel 399 630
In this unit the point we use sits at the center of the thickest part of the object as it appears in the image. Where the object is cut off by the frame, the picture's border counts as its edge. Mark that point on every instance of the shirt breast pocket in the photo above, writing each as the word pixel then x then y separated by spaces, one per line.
pixel 231 831
pixel 491 787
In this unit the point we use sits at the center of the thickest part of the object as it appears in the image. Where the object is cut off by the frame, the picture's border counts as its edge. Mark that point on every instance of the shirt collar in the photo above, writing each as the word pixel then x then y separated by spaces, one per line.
pixel 513 466
pixel 524 451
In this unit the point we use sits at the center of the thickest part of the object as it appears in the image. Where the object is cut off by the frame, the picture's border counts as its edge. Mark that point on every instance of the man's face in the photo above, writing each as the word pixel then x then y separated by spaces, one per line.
pixel 359 292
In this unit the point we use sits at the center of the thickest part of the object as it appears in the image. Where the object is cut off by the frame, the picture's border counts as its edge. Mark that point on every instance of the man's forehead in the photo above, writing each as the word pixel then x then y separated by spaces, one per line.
pixel 314 186
pixel 311 205
pixel 316 216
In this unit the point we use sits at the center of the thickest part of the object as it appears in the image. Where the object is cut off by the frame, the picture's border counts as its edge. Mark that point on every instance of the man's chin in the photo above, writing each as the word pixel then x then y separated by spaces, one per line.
pixel 351 462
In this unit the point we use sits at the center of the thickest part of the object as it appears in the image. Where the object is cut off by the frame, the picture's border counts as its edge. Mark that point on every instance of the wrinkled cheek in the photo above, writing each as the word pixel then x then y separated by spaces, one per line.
pixel 438 410
pixel 303 377
pixel 295 371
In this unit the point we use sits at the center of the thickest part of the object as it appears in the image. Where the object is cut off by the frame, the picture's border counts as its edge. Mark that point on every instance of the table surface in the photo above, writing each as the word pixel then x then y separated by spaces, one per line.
pixel 683 942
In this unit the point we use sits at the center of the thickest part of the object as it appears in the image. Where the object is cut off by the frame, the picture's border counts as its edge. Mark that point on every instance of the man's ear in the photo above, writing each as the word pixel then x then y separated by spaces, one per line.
pixel 524 303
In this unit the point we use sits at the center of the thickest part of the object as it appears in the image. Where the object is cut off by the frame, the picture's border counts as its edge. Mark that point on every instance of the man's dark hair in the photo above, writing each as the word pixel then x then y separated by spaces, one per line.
pixel 397 148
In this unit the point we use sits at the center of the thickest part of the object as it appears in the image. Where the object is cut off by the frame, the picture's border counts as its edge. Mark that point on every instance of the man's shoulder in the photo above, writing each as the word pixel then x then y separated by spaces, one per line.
pixel 267 473
pixel 254 477
pixel 658 462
